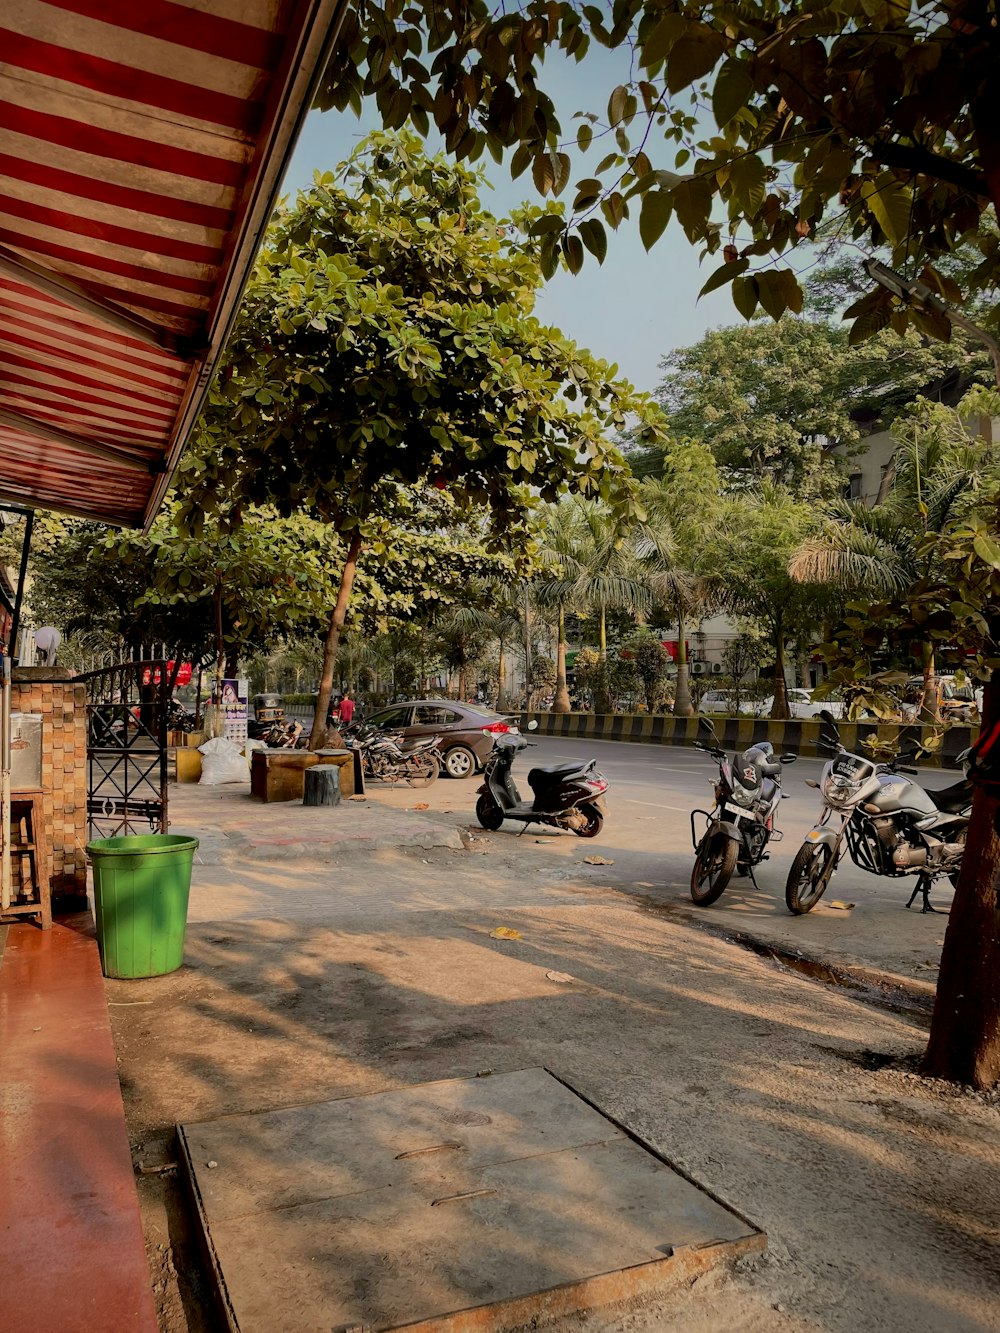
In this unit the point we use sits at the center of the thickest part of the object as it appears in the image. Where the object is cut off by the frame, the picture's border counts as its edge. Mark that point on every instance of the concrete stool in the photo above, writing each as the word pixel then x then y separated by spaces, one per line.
pixel 322 785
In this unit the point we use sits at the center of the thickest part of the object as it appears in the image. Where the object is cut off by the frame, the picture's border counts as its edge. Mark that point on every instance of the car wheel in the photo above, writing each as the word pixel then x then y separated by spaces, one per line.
pixel 459 762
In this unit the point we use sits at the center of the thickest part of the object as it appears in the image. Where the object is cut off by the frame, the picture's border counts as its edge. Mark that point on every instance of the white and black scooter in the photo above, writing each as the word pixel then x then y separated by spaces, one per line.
pixel 741 825
pixel 891 826
pixel 566 796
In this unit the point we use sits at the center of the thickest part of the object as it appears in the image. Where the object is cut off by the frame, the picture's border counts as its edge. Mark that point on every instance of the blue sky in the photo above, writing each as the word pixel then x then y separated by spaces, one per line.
pixel 635 308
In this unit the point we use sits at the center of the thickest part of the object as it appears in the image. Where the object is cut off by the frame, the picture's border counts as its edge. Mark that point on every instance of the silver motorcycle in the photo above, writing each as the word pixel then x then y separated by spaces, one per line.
pixel 886 823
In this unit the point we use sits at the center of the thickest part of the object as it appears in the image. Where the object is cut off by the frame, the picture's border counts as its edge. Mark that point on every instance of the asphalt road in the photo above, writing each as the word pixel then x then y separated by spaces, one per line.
pixel 647 834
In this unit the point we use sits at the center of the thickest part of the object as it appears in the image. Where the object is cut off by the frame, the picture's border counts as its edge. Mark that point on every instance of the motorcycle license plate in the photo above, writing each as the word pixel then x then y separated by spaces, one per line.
pixel 734 812
pixel 846 767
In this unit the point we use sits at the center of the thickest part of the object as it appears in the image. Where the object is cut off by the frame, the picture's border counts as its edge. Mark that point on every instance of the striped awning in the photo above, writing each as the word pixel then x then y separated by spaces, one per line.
pixel 142 145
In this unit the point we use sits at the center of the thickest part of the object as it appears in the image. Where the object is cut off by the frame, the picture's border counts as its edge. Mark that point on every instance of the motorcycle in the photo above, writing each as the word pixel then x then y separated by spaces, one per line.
pixel 180 718
pixel 389 758
pixel 888 825
pixel 282 736
pixel 741 824
pixel 566 796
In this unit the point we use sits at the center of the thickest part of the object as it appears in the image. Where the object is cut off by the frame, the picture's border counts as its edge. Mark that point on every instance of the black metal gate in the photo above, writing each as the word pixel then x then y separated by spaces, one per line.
pixel 127 709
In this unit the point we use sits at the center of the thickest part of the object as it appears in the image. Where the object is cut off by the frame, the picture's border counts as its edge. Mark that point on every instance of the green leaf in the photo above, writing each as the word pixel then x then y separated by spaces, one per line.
pixel 693 55
pixel 987 549
pixel 663 36
pixel 867 325
pixel 723 275
pixel 769 293
pixel 616 104
pixel 584 136
pixel 748 182
pixel 572 248
pixel 733 88
pixel 595 238
pixel 654 216
pixel 745 295
pixel 543 172
pixel 890 203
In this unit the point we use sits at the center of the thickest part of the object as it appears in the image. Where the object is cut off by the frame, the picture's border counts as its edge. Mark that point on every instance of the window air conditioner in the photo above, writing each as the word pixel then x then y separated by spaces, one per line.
pixel 717 669
pixel 698 668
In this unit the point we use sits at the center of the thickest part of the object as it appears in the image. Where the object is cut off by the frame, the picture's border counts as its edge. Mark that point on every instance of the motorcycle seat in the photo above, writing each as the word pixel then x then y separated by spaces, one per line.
pixel 554 774
pixel 950 800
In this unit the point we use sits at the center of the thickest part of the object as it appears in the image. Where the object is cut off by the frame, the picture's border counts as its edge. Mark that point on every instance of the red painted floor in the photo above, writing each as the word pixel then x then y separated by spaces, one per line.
pixel 72 1258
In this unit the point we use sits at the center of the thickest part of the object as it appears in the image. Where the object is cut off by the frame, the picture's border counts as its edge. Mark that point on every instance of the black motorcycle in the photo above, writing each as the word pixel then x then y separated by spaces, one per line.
pixel 565 796
pixel 741 825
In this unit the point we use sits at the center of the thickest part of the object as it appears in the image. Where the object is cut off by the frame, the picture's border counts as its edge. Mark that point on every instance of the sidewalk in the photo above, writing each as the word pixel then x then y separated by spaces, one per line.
pixel 235 828
pixel 72 1255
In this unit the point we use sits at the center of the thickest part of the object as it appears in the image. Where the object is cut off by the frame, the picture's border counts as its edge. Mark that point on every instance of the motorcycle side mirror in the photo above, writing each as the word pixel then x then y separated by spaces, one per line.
pixel 828 718
pixel 706 726
pixel 787 758
pixel 533 724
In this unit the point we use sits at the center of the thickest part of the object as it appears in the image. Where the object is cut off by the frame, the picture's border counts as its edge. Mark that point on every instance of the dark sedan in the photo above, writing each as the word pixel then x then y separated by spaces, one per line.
pixel 467 731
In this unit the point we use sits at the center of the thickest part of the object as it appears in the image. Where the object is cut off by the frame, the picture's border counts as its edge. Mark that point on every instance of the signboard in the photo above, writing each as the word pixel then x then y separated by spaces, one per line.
pixel 152 674
pixel 234 710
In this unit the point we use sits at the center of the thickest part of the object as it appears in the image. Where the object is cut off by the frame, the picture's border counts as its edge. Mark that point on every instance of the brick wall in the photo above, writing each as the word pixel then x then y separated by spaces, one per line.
pixel 62 705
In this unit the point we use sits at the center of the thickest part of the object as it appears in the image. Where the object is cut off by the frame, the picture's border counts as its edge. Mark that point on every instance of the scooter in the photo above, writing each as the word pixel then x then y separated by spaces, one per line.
pixel 566 796
pixel 741 825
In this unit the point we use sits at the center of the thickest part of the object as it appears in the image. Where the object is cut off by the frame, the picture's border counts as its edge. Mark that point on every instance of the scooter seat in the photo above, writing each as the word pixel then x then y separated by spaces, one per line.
pixel 950 800
pixel 551 776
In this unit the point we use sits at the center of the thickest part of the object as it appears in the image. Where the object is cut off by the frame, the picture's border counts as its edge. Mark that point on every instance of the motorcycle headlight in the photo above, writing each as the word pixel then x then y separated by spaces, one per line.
pixel 837 791
pixel 741 797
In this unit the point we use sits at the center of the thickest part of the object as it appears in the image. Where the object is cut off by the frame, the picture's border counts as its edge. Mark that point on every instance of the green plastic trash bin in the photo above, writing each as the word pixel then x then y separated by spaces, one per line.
pixel 141 887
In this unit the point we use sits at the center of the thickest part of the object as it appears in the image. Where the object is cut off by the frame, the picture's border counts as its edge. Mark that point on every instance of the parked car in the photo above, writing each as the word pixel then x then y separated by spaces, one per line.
pixel 467 731
pixel 802 704
pixel 960 703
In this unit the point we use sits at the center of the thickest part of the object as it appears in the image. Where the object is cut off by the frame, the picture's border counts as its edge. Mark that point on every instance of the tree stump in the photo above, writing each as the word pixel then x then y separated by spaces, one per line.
pixel 322 785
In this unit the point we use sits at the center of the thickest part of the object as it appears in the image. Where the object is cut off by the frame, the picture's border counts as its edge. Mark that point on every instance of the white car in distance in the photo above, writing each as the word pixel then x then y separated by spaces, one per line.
pixel 801 704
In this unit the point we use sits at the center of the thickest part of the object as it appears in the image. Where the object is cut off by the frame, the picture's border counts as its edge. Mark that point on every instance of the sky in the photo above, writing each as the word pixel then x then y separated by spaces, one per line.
pixel 637 306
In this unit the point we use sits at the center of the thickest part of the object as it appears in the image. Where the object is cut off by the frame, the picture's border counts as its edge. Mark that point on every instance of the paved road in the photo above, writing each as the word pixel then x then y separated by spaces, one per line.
pixel 652 792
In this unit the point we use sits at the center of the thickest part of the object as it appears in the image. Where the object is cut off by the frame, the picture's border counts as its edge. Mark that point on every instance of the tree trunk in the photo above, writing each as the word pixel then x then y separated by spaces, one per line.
pixel 802 663
pixel 682 688
pixel 602 696
pixel 561 704
pixel 603 633
pixel 463 683
pixel 332 643
pixel 929 697
pixel 779 709
pixel 964 1044
pixel 232 665
pixel 501 678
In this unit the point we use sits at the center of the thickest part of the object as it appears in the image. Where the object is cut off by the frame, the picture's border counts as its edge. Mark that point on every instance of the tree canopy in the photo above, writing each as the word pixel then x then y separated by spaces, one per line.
pixel 873 118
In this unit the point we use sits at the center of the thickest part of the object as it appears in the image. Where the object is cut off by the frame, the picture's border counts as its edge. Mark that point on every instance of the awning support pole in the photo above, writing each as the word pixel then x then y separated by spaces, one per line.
pixel 5 710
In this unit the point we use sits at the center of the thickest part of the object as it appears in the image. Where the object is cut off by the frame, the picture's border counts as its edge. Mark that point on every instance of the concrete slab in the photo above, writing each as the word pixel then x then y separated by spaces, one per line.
pixel 465 1204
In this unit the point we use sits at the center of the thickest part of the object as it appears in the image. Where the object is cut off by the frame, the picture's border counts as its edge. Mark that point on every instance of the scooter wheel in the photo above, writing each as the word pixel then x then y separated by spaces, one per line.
pixel 594 824
pixel 489 813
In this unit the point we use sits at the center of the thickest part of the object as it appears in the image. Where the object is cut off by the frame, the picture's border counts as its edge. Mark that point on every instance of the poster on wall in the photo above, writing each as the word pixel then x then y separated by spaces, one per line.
pixel 234 711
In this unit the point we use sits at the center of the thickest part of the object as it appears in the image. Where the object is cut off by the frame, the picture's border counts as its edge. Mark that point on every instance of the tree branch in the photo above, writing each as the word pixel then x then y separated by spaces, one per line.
pixel 912 157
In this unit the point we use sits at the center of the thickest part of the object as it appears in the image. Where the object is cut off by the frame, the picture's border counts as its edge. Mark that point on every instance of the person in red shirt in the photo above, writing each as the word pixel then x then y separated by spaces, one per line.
pixel 346 708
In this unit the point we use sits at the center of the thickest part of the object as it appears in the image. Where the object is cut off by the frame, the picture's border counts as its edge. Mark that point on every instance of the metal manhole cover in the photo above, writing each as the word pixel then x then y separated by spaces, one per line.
pixel 471 1203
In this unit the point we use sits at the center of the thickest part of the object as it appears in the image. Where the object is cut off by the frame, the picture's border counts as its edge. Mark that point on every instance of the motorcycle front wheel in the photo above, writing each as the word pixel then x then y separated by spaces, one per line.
pixel 594 824
pixel 489 813
pixel 714 863
pixel 422 770
pixel 808 877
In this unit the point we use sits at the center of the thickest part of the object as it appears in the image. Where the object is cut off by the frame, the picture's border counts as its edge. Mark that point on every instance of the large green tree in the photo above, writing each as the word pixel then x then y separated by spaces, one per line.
pixel 878 119
pixel 792 400
pixel 388 341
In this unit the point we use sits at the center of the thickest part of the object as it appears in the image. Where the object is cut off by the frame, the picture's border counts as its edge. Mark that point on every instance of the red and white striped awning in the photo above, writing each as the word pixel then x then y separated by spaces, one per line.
pixel 142 145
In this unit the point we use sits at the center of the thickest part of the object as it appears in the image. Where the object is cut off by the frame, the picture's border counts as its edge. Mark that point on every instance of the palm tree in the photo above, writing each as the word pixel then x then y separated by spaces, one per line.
pixel 675 542
pixel 590 563
pixel 878 550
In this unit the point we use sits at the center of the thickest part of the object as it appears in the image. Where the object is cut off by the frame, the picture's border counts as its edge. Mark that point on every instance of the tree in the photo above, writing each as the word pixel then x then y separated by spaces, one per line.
pixel 936 472
pixel 676 541
pixel 776 399
pixel 759 534
pixel 878 118
pixel 651 660
pixel 387 347
pixel 559 531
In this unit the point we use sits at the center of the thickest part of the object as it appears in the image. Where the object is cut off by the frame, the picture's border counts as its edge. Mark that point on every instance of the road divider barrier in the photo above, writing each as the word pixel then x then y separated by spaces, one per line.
pixel 795 736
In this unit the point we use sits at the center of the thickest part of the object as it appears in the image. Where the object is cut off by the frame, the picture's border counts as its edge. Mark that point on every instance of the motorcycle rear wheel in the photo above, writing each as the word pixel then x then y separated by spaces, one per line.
pixel 714 863
pixel 594 824
pixel 422 770
pixel 808 877
pixel 488 813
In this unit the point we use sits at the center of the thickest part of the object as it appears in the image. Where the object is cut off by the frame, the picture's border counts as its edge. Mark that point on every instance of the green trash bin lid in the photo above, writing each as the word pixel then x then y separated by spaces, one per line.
pixel 142 844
